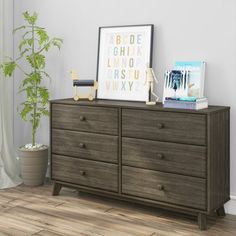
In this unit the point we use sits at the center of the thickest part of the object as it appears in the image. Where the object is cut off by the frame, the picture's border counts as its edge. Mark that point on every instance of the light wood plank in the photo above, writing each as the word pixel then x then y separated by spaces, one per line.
pixel 33 211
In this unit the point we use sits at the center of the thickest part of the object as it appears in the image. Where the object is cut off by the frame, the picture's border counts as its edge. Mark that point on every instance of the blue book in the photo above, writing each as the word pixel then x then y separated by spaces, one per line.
pixel 196 76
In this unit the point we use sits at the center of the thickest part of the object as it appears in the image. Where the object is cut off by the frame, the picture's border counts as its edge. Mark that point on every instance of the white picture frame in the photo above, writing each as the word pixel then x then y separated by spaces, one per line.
pixel 124 52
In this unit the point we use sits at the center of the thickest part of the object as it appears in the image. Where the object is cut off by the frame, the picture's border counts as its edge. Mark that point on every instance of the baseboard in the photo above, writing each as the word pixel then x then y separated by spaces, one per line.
pixel 230 207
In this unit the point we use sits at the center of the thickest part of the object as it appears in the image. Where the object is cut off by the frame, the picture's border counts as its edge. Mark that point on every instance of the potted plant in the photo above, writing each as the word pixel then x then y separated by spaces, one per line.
pixel 33 46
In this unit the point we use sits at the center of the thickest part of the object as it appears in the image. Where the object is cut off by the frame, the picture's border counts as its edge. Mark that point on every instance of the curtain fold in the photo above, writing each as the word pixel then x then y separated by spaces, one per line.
pixel 9 165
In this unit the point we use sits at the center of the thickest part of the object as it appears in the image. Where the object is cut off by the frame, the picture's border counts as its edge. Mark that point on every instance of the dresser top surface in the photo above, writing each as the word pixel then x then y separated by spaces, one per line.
pixel 135 105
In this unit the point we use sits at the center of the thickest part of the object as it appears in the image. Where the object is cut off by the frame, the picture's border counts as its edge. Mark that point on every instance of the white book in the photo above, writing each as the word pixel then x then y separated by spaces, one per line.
pixel 196 76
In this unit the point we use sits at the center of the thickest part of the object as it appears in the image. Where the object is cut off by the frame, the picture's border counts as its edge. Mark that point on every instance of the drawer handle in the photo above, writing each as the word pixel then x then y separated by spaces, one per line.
pixel 83 173
pixel 160 156
pixel 160 187
pixel 82 145
pixel 160 125
pixel 82 118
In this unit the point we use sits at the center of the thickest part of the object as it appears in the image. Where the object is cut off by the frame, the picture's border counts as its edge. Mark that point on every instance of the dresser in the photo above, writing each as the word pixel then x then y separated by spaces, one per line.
pixel 166 158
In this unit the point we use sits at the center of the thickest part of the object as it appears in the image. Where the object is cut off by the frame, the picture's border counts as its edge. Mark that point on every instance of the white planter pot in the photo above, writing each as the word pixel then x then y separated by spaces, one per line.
pixel 33 166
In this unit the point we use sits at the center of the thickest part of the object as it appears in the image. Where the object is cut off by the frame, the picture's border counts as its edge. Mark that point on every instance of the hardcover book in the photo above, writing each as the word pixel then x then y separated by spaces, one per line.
pixel 196 76
pixel 176 84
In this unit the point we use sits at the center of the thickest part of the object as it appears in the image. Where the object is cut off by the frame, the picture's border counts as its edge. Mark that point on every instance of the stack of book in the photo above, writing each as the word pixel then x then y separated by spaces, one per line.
pixel 184 86
pixel 186 103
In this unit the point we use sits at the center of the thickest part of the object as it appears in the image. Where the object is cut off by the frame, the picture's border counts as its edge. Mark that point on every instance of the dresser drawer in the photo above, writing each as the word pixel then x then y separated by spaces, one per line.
pixel 164 126
pixel 84 172
pixel 85 118
pixel 85 145
pixel 170 157
pixel 160 186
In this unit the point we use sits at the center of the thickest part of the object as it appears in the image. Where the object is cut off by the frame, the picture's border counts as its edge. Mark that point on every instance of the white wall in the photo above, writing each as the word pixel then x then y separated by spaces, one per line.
pixel 184 30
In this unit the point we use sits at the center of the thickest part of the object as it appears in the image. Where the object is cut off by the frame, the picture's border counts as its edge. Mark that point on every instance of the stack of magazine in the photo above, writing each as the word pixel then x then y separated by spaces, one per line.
pixel 184 86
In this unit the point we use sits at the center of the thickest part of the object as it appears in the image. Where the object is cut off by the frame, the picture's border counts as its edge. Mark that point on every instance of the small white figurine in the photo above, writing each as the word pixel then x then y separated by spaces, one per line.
pixel 150 79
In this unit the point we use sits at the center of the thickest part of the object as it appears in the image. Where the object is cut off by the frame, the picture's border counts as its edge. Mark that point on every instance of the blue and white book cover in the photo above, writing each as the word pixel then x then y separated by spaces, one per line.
pixel 176 84
pixel 196 77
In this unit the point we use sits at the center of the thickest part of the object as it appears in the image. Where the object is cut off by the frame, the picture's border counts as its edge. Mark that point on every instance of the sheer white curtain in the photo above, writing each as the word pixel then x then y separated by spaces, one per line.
pixel 9 166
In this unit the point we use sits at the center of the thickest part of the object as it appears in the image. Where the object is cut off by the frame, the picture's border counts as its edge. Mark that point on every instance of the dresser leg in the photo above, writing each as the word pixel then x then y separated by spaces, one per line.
pixel 56 189
pixel 221 211
pixel 202 221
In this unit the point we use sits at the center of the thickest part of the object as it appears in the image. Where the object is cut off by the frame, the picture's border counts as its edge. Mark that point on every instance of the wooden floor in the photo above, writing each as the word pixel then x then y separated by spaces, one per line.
pixel 33 211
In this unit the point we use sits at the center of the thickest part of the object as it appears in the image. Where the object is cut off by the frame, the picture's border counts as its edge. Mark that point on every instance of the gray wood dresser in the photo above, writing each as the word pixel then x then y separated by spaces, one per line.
pixel 168 158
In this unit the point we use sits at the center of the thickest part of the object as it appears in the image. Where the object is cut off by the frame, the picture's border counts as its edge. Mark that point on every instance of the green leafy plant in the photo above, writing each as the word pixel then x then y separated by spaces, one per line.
pixel 34 44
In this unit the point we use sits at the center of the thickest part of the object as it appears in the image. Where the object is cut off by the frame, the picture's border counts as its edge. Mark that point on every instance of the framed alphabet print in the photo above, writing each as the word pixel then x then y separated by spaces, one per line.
pixel 124 52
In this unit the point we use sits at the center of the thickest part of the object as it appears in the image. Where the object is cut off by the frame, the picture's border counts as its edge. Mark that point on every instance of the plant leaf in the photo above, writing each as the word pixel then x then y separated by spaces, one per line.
pixel 44 94
pixel 44 111
pixel 57 42
pixel 8 68
pixel 36 60
pixel 31 19
pixel 27 108
pixel 43 36
pixel 40 61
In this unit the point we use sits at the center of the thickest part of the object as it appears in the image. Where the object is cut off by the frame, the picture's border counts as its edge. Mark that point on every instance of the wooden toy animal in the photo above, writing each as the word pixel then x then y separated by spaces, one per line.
pixel 83 83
